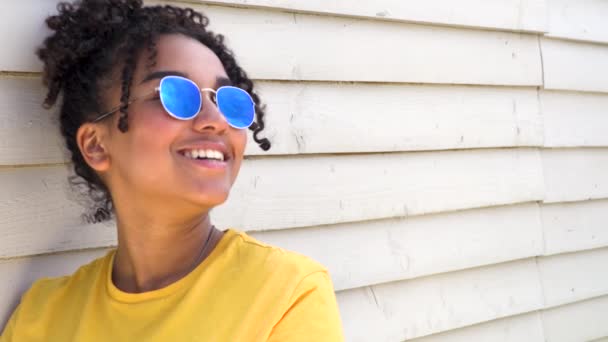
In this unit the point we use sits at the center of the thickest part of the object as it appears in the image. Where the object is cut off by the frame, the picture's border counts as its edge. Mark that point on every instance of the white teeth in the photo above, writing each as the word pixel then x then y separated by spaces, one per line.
pixel 209 154
pixel 214 154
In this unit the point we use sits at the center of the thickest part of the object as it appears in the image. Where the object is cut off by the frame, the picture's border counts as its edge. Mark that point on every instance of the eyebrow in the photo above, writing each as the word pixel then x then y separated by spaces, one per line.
pixel 220 81
pixel 161 74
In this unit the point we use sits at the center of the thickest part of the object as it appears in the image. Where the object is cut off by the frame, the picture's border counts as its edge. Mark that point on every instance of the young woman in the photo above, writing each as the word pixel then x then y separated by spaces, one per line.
pixel 154 111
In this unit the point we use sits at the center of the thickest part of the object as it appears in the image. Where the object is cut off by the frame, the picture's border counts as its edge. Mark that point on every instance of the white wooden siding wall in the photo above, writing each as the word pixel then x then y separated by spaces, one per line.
pixel 446 160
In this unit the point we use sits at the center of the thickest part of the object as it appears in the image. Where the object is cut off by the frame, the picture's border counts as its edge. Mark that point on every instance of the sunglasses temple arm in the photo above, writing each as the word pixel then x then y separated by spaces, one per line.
pixel 102 116
pixel 113 110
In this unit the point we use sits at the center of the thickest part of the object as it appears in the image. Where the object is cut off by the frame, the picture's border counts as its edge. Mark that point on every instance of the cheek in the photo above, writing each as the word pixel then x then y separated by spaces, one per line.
pixel 154 129
pixel 239 142
pixel 149 138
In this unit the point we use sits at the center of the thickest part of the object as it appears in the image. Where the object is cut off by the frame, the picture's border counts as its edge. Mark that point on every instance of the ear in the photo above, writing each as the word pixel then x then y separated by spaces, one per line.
pixel 90 140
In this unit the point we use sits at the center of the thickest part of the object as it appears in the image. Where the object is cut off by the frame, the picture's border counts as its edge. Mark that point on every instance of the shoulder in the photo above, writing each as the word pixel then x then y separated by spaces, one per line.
pixel 300 290
pixel 50 285
pixel 290 281
pixel 274 259
pixel 47 292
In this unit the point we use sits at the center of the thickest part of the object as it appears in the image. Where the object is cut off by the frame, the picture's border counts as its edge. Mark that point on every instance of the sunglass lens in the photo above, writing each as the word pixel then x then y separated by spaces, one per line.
pixel 236 105
pixel 180 97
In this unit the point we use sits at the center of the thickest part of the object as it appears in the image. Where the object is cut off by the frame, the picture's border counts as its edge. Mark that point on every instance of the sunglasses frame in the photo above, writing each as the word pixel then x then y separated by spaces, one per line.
pixel 201 90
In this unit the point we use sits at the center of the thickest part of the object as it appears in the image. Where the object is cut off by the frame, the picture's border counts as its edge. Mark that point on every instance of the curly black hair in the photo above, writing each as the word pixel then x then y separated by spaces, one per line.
pixel 89 38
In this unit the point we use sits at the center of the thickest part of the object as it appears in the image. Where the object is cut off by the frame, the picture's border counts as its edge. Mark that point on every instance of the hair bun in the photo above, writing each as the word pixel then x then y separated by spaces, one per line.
pixel 80 30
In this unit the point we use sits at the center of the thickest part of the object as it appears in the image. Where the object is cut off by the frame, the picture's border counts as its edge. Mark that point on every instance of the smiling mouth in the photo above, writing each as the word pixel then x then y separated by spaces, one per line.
pixel 209 159
pixel 204 154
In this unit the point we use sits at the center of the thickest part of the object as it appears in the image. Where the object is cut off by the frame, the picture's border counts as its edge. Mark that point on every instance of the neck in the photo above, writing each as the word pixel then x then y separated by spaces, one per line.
pixel 153 253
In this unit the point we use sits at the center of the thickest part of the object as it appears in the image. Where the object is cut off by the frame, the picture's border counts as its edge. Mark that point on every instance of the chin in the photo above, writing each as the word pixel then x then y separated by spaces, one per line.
pixel 211 199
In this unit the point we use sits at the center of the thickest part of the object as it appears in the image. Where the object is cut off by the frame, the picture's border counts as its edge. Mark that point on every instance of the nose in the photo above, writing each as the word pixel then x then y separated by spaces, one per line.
pixel 210 119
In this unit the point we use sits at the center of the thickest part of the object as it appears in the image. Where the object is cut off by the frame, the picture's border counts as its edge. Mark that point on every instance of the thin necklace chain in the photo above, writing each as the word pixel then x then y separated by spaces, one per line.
pixel 202 252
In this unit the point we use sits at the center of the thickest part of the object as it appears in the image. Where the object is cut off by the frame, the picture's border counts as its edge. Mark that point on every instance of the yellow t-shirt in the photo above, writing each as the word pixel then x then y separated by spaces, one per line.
pixel 244 290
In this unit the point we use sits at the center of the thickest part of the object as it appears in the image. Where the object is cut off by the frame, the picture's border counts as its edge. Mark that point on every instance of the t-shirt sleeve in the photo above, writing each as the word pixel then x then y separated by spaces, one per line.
pixel 313 313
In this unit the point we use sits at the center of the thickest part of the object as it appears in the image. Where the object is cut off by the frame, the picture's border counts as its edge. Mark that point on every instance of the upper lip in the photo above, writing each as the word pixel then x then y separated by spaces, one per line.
pixel 207 145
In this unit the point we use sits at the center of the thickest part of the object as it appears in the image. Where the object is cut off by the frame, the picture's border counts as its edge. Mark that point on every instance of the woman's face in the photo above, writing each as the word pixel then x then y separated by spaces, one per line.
pixel 149 161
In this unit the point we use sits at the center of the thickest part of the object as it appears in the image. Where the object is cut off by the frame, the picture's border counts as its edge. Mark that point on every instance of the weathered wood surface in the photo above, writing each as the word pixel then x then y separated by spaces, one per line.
pixel 528 15
pixel 583 20
pixel 431 54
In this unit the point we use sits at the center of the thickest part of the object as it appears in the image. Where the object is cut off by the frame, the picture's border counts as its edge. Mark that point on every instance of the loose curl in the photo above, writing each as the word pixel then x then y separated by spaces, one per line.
pixel 89 37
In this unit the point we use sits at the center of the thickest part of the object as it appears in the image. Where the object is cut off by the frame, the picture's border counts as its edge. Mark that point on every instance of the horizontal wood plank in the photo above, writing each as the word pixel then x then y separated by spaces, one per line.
pixel 527 15
pixel 574 119
pixel 37 217
pixel 582 321
pixel 569 227
pixel 24 36
pixel 19 274
pixel 579 20
pixel 572 65
pixel 575 174
pixel 39 214
pixel 29 134
pixel 526 327
pixel 313 117
pixel 572 277
pixel 407 309
pixel 374 252
pixel 431 54
pixel 333 189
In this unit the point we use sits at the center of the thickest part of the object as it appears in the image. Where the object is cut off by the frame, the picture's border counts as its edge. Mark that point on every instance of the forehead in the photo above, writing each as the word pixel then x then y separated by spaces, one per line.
pixel 184 54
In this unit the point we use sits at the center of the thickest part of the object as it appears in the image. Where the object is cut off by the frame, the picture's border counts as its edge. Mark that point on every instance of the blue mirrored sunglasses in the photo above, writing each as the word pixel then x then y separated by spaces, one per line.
pixel 182 99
